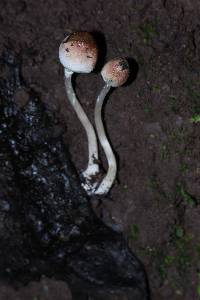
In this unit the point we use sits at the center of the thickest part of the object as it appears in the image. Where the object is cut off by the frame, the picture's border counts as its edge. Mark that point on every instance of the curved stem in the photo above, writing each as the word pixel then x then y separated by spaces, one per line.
pixel 93 166
pixel 108 180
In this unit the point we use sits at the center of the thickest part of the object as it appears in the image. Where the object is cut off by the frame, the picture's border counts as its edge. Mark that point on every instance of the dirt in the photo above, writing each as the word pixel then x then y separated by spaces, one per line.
pixel 151 122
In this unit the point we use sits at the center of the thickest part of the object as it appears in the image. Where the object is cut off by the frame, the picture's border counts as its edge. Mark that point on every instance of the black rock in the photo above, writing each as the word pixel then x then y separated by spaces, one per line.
pixel 47 225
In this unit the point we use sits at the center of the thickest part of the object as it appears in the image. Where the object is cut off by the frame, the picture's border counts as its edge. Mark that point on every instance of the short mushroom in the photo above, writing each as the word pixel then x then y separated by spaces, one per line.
pixel 115 73
pixel 78 53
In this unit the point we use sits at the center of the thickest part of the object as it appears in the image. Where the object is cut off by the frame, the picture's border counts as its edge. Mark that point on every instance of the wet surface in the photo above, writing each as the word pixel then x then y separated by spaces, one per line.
pixel 48 226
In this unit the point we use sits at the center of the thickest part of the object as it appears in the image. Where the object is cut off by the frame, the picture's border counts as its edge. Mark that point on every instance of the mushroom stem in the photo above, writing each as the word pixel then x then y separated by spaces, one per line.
pixel 93 167
pixel 108 180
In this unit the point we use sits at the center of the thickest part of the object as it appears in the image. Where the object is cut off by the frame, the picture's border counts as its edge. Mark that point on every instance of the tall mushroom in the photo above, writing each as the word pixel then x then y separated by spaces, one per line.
pixel 115 73
pixel 78 53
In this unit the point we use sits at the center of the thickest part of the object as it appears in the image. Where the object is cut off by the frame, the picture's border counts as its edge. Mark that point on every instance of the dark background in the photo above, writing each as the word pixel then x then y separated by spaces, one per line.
pixel 150 122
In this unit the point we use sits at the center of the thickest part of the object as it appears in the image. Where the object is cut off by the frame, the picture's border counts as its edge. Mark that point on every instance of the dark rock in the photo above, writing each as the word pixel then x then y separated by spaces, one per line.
pixel 47 225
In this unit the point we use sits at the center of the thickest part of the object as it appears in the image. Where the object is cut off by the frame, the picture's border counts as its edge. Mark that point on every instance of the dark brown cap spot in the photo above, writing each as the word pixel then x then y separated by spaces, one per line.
pixel 124 65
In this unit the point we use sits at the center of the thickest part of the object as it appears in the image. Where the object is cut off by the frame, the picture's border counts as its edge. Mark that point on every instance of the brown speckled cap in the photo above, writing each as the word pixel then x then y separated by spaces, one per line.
pixel 115 72
pixel 78 52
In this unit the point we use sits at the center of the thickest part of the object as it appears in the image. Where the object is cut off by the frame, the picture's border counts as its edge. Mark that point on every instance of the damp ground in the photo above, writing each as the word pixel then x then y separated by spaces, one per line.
pixel 153 124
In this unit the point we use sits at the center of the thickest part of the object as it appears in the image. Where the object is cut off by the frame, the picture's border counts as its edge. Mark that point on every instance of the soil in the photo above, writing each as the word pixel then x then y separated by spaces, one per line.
pixel 152 123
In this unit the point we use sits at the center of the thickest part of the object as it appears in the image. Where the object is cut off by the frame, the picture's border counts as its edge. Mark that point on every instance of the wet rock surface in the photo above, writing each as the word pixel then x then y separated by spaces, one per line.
pixel 47 224
pixel 45 289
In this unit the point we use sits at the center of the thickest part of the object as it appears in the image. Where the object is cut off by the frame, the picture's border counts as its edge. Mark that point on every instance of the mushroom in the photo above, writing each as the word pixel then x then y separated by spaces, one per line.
pixel 78 53
pixel 115 73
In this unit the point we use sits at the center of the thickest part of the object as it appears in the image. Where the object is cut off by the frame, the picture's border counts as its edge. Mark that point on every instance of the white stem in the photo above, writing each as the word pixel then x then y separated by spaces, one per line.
pixel 93 167
pixel 108 180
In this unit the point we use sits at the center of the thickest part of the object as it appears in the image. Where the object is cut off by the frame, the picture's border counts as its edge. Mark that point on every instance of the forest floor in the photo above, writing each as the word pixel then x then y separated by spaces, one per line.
pixel 153 123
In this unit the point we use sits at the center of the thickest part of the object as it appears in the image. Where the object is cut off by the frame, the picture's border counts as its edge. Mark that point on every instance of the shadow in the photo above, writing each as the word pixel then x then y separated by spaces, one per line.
pixel 134 69
pixel 101 44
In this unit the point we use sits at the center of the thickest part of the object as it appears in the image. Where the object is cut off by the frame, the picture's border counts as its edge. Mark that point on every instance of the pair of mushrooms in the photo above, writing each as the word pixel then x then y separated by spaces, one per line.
pixel 78 54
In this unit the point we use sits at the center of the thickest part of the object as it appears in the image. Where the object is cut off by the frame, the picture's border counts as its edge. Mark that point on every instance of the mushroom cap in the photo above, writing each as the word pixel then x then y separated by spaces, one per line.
pixel 115 72
pixel 78 52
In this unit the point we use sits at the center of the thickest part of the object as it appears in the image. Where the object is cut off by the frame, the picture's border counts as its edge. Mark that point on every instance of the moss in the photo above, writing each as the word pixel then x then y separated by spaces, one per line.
pixel 188 199
pixel 134 232
pixel 148 31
